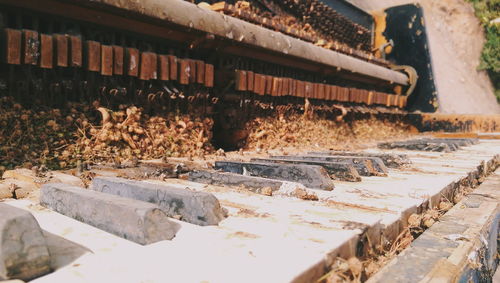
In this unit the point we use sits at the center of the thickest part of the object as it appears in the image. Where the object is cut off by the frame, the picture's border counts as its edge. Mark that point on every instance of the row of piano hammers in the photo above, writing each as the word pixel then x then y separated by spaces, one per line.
pixel 49 51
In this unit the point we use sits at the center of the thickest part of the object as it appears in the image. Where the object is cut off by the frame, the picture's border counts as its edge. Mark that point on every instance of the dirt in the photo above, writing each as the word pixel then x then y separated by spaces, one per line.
pixel 456 40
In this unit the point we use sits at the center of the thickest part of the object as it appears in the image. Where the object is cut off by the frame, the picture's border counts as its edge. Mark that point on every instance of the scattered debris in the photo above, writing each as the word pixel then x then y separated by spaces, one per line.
pixel 44 138
pixel 296 131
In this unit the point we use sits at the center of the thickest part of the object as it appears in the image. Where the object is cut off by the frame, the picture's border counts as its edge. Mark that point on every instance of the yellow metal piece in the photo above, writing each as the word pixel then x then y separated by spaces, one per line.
pixel 412 76
pixel 379 39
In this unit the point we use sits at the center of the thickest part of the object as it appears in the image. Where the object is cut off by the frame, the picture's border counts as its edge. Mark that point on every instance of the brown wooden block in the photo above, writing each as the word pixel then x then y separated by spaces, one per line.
pixel 31 47
pixel 148 66
pixel 76 51
pixel 200 71
pixel 256 78
pixel 184 71
pixel 258 84
pixel 62 50
pixel 269 85
pixel 154 66
pixel 361 96
pixel 333 92
pixel 321 91
pixel 263 84
pixel 387 99
pixel 352 94
pixel 280 87
pixel 301 92
pixel 347 94
pixel 369 99
pixel 93 55
pixel 46 51
pixel 118 60
pixel 286 86
pixel 192 71
pixel 209 75
pixel 376 97
pixel 173 64
pixel 309 89
pixel 145 66
pixel 364 96
pixel 132 61
pixel 328 92
pixel 240 81
pixel 381 98
pixel 163 67
pixel 250 80
pixel 291 87
pixel 358 96
pixel 394 101
pixel 315 93
pixel 275 87
pixel 341 94
pixel 106 60
pixel 13 39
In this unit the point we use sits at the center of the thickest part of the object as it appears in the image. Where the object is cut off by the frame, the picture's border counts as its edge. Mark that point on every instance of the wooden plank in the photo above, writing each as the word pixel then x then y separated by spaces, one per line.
pixel 118 53
pixel 240 81
pixel 13 39
pixel 173 64
pixel 132 61
pixel 106 60
pixel 76 51
pixel 46 51
pixel 62 50
pixel 200 72
pixel 163 68
pixel 93 56
pixel 209 75
pixel 184 71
